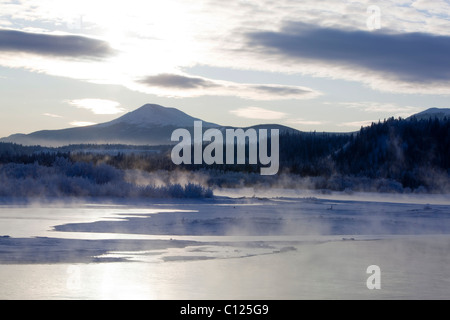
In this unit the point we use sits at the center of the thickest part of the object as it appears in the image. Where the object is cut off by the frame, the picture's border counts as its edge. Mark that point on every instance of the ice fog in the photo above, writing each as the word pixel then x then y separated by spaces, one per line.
pixel 252 247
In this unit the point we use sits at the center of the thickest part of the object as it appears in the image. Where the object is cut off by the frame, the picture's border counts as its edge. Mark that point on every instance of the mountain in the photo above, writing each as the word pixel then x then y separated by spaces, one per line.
pixel 153 115
pixel 151 124
pixel 439 113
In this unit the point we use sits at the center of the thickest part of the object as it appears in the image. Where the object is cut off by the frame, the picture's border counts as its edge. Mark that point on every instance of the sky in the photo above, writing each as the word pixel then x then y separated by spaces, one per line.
pixel 312 65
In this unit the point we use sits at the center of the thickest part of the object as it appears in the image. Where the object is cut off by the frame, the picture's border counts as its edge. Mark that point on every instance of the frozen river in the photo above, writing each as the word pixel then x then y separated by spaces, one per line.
pixel 228 248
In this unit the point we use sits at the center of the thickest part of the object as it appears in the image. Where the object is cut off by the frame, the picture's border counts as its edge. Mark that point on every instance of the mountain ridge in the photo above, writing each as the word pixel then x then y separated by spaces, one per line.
pixel 151 124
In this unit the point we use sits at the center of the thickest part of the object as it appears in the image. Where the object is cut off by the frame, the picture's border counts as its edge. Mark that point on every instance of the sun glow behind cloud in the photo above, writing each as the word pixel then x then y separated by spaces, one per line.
pixel 51 115
pixel 98 106
pixel 82 123
pixel 145 39
pixel 153 47
pixel 152 38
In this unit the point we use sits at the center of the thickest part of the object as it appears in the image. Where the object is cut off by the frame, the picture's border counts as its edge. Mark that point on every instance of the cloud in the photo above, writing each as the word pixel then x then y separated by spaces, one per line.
pixel 281 90
pixel 98 106
pixel 436 7
pixel 187 86
pixel 306 122
pixel 82 123
pixel 417 58
pixel 271 92
pixel 357 124
pixel 264 114
pixel 380 107
pixel 167 80
pixel 66 46
pixel 51 115
pixel 258 113
pixel 218 34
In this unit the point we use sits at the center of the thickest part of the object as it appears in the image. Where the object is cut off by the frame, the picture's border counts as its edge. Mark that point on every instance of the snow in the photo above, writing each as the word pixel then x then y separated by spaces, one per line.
pixel 156 115
pixel 226 248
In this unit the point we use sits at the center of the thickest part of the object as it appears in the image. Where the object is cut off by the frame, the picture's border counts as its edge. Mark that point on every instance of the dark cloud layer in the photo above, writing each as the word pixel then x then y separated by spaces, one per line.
pixel 175 81
pixel 54 45
pixel 411 57
pixel 280 90
pixel 167 80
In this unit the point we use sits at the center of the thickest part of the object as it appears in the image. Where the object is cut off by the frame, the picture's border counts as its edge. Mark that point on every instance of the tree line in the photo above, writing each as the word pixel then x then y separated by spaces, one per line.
pixel 415 153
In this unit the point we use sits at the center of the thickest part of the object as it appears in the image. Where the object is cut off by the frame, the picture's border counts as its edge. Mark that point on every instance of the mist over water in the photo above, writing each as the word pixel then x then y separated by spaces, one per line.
pixel 226 248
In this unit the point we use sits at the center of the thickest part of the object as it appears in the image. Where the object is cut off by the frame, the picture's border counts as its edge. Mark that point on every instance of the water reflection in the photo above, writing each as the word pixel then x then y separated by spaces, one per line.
pixel 66 265
pixel 410 269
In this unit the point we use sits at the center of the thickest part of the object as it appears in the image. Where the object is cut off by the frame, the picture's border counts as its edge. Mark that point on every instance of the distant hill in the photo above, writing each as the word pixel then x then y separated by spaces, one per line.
pixel 439 113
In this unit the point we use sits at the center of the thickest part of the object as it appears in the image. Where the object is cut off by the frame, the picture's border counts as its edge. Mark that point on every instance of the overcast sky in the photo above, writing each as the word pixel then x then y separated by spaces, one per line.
pixel 312 65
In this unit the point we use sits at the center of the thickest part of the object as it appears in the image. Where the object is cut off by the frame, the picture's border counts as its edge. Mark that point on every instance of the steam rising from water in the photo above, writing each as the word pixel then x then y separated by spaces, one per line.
pixel 249 248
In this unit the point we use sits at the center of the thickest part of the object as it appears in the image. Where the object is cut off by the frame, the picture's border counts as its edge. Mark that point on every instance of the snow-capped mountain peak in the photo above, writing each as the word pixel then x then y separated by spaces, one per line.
pixel 156 115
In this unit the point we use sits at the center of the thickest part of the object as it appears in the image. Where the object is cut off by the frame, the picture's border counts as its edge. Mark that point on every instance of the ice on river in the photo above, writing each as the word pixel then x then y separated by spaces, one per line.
pixel 313 247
